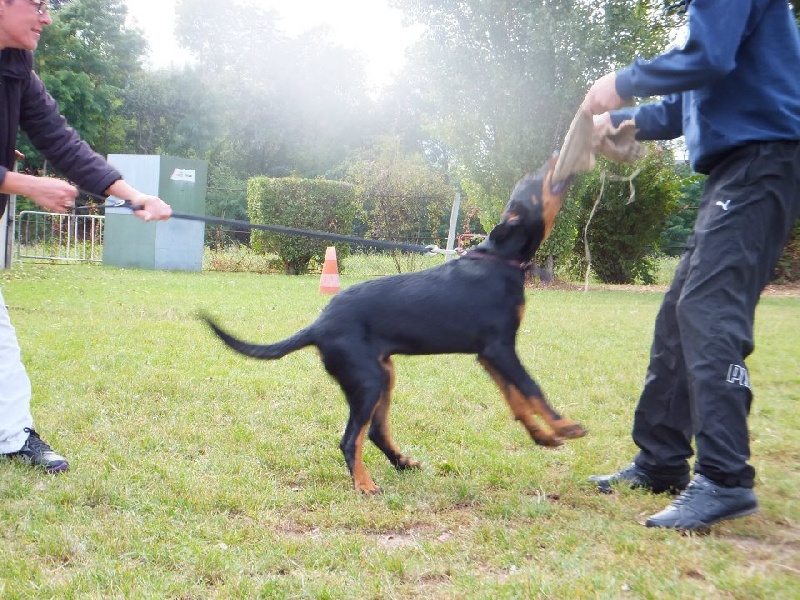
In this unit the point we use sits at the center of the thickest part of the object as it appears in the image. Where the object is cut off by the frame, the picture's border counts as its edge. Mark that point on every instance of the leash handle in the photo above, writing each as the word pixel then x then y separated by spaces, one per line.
pixel 124 204
pixel 108 202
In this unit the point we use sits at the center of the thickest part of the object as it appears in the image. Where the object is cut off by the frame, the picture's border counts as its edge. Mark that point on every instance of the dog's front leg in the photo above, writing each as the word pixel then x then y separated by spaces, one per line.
pixel 526 398
pixel 521 408
pixel 564 427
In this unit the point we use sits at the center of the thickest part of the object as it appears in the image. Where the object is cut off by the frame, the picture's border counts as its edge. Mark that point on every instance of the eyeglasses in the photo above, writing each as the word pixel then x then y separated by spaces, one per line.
pixel 41 6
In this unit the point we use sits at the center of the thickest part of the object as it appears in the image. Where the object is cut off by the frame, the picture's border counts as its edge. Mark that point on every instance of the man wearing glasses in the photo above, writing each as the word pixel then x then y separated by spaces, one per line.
pixel 25 104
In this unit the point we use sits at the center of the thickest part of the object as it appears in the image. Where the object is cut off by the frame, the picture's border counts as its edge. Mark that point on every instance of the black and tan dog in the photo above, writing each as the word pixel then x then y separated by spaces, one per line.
pixel 362 327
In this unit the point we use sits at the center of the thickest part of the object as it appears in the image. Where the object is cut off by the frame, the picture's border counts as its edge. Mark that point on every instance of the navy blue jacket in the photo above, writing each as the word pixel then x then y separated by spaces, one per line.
pixel 734 79
pixel 26 105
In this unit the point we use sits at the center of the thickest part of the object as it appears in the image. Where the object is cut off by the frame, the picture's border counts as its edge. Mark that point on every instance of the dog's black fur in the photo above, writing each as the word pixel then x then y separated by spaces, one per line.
pixel 472 305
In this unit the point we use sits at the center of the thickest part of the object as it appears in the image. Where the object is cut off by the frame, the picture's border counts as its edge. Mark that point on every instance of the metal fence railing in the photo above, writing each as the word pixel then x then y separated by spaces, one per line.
pixel 54 237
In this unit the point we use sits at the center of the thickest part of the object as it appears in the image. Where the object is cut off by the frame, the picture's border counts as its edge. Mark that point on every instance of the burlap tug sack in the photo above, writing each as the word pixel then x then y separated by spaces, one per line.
pixel 583 142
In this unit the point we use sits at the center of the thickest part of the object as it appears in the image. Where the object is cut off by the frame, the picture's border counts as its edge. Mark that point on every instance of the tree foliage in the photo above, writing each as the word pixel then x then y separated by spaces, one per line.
pixel 286 106
pixel 173 113
pixel 681 222
pixel 788 267
pixel 504 77
pixel 85 59
pixel 400 195
pixel 486 97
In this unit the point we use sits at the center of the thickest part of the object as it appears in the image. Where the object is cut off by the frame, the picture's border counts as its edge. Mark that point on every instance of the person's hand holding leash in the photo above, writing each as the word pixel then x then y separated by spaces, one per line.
pixel 153 207
pixel 50 193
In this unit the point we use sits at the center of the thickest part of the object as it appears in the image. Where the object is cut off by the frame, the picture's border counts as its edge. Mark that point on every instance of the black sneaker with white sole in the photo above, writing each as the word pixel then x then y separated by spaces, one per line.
pixel 703 504
pixel 633 476
pixel 38 453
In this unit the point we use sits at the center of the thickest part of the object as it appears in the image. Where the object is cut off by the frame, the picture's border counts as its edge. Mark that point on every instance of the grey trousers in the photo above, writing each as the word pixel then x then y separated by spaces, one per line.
pixel 697 385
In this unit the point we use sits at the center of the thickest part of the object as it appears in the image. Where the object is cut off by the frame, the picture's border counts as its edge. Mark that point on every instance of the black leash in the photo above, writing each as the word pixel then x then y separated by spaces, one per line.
pixel 430 250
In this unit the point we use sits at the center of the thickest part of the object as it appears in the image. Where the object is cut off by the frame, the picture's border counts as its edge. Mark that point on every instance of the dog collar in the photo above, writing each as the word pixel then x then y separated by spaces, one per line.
pixel 475 255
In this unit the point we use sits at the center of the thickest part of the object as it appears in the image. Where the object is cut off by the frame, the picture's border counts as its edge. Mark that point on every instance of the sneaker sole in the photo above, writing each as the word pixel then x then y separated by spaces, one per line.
pixel 706 527
pixel 609 488
pixel 53 469
pixel 60 468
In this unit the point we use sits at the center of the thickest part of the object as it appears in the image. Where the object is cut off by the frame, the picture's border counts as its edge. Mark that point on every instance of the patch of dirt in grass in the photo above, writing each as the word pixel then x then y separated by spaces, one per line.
pixel 786 289
pixel 779 551
pixel 405 538
pixel 413 536
pixel 393 541
pixel 297 531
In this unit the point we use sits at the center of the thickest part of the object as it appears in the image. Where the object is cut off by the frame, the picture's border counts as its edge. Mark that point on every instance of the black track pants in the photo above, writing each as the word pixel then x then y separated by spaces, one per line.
pixel 697 383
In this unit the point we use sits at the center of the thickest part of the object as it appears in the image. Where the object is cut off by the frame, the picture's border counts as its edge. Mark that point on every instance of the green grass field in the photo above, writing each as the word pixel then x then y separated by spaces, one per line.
pixel 198 473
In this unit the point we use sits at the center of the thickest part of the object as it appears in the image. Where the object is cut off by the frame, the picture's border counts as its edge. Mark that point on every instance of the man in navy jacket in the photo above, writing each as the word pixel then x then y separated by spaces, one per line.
pixel 25 104
pixel 731 87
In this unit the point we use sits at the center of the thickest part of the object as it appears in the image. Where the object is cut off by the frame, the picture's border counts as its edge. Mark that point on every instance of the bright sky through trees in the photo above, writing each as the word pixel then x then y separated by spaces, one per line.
pixel 371 27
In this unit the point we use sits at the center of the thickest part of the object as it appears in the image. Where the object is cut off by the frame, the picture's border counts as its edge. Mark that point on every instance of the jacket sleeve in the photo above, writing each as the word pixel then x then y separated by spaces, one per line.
pixel 656 120
pixel 714 33
pixel 49 132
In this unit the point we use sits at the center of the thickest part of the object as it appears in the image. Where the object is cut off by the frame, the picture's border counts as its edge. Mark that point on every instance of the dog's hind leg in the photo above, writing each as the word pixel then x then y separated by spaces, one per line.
pixel 379 431
pixel 525 398
pixel 362 385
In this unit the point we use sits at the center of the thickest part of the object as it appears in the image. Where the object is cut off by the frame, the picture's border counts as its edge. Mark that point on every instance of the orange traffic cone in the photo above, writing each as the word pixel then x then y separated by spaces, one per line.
pixel 329 282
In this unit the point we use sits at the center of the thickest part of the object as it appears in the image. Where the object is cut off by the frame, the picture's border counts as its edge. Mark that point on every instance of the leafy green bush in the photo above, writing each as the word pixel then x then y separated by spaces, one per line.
pixel 307 204
pixel 623 235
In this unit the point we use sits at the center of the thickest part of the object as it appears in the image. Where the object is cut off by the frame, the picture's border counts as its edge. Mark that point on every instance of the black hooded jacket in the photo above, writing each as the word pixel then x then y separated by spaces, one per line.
pixel 25 104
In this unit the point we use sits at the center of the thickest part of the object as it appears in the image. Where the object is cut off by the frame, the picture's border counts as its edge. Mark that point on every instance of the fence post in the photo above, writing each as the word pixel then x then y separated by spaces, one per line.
pixel 11 211
pixel 7 227
pixel 3 236
pixel 451 235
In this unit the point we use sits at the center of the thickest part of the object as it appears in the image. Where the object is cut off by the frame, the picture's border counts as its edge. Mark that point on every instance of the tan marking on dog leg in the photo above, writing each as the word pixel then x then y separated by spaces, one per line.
pixel 362 481
pixel 521 409
pixel 565 428
pixel 381 417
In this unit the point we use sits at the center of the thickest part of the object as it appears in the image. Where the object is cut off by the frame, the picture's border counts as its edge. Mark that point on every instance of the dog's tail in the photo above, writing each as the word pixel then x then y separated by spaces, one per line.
pixel 301 339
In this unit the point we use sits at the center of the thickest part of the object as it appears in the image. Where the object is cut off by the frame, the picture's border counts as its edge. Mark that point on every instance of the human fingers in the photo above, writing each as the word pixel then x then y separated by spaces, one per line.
pixel 54 194
pixel 154 209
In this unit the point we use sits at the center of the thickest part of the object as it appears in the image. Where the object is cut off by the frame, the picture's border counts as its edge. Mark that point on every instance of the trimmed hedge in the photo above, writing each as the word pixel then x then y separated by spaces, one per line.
pixel 308 204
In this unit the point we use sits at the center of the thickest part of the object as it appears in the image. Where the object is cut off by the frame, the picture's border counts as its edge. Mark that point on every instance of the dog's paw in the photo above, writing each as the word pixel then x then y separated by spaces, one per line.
pixel 364 485
pixel 570 430
pixel 404 463
pixel 373 490
pixel 548 441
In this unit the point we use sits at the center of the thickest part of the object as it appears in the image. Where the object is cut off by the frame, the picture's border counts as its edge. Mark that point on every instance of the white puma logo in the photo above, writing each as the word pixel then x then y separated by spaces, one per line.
pixel 738 374
pixel 725 205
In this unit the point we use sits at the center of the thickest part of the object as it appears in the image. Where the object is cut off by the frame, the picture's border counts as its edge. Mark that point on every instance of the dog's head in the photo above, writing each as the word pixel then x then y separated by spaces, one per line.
pixel 529 216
